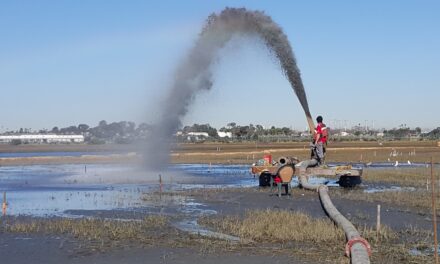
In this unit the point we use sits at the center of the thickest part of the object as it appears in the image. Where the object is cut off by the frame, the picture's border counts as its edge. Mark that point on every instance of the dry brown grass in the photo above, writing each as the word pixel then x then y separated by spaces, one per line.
pixel 91 229
pixel 416 177
pixel 397 248
pixel 387 246
pixel 247 153
pixel 284 232
pixel 102 235
pixel 386 234
pixel 419 178
pixel 244 153
pixel 278 226
pixel 420 199
pixel 281 226
pixel 314 240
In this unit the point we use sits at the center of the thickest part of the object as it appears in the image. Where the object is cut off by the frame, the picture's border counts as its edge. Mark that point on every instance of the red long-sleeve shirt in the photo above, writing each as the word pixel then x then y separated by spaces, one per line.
pixel 319 131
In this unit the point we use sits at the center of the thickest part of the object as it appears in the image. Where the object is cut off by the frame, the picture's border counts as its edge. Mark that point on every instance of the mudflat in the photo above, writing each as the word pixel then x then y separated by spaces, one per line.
pixel 269 228
pixel 404 229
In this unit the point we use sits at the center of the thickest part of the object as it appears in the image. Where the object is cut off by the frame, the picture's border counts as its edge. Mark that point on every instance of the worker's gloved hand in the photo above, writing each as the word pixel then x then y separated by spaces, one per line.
pixel 312 145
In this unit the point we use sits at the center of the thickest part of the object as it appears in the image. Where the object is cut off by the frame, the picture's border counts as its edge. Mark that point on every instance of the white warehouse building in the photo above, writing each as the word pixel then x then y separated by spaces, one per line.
pixel 42 138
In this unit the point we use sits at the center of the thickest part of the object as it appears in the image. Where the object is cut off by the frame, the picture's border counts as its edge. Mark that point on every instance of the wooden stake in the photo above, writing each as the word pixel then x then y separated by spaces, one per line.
pixel 427 183
pixel 378 223
pixel 434 212
pixel 160 186
pixel 4 205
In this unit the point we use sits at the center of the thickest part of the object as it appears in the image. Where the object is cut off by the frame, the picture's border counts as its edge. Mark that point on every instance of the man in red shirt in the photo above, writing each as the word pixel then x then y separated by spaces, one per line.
pixel 320 139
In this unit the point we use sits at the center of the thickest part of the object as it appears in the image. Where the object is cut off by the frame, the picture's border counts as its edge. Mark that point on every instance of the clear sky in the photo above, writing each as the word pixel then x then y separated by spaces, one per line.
pixel 69 62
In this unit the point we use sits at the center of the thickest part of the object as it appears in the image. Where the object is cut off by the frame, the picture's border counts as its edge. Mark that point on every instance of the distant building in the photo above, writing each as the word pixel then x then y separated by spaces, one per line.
pixel 380 134
pixel 305 134
pixel 198 134
pixel 344 134
pixel 42 138
pixel 224 134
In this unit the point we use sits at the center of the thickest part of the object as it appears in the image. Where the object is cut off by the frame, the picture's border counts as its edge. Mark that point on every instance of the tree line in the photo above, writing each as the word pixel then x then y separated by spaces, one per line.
pixel 124 132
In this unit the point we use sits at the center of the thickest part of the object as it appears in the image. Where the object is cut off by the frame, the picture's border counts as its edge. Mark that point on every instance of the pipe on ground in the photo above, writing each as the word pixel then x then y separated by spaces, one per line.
pixel 359 248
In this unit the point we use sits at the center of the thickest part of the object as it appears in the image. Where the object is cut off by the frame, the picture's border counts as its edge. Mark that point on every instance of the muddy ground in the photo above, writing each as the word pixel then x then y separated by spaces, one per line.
pixel 412 225
pixel 179 247
pixel 49 249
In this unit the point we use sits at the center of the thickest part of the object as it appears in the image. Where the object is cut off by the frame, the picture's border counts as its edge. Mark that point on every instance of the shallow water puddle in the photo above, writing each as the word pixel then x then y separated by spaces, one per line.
pixel 389 189
pixel 55 201
pixel 423 252
pixel 72 190
pixel 191 226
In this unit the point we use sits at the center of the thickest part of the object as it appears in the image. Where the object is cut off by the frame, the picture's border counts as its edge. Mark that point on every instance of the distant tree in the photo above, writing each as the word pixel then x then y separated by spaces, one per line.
pixel 69 130
pixel 16 142
pixel 115 129
pixel 102 123
pixel 83 128
pixel 55 130
pixel 212 132
pixel 286 131
pixel 243 131
pixel 433 134
pixel 402 132
pixel 224 129
pixel 186 129
pixel 143 129
pixel 131 125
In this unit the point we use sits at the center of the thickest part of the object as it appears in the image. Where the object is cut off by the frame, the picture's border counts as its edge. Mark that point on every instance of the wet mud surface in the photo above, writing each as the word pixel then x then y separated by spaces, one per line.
pixel 360 212
pixel 188 192
pixel 24 249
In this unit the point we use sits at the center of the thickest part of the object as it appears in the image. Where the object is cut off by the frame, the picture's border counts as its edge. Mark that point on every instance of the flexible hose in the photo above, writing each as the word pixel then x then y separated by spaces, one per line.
pixel 359 253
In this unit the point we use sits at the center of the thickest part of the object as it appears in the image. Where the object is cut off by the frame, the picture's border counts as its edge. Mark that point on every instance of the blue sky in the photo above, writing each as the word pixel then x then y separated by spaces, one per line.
pixel 71 62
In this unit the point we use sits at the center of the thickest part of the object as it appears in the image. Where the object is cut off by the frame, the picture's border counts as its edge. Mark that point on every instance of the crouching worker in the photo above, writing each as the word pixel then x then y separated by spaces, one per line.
pixel 320 140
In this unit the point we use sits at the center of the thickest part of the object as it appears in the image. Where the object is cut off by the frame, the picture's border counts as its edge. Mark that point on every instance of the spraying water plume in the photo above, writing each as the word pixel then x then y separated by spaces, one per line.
pixel 195 75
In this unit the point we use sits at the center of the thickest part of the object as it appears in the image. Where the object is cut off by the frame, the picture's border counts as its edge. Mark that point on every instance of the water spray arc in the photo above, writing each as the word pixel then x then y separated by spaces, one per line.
pixel 194 75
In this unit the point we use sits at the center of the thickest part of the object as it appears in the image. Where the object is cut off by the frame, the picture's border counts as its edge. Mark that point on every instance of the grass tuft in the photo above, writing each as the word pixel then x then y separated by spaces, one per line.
pixel 415 177
pixel 278 226
pixel 90 228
